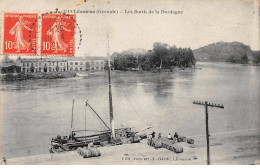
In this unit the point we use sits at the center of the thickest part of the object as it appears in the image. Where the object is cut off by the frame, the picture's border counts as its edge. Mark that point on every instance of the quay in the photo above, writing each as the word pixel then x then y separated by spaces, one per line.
pixel 239 147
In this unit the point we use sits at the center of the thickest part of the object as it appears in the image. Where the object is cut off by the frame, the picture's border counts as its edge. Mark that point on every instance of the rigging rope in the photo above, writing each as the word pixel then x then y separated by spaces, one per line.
pixel 135 110
pixel 94 91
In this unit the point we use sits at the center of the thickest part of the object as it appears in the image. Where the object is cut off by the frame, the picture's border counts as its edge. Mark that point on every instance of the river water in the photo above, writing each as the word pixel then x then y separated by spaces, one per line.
pixel 34 111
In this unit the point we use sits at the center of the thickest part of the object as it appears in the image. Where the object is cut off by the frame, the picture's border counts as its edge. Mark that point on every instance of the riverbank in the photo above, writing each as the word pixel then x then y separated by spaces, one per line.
pixel 40 75
pixel 238 63
pixel 69 74
pixel 168 70
pixel 227 148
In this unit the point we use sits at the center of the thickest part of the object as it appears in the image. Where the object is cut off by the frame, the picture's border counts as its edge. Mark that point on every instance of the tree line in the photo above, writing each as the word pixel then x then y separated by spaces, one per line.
pixel 162 56
pixel 240 60
pixel 256 57
pixel 244 59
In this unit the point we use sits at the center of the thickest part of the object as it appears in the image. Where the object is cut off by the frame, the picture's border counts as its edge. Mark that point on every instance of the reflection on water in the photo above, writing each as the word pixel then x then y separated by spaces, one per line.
pixel 34 111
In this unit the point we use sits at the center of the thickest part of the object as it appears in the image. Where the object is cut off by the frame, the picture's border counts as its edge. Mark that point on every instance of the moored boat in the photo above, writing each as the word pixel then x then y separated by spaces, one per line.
pixel 108 137
pixel 82 74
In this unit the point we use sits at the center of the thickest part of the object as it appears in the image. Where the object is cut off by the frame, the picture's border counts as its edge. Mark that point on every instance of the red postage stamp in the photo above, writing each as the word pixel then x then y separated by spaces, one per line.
pixel 20 32
pixel 57 36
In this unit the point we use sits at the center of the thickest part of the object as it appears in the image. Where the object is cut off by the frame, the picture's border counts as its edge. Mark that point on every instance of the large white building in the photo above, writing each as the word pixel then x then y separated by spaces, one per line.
pixel 32 65
pixel 86 64
pixel 42 65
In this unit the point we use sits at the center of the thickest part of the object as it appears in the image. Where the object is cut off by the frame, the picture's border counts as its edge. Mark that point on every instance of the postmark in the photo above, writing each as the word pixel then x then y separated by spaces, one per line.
pixel 57 34
pixel 20 33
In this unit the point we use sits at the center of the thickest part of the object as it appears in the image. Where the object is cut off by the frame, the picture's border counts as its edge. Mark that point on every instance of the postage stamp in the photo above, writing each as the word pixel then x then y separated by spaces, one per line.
pixel 20 31
pixel 57 35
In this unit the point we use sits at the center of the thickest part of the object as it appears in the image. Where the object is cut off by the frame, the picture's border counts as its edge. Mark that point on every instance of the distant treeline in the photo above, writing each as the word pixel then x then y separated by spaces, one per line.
pixel 162 56
pixel 239 60
pixel 244 59
pixel 256 57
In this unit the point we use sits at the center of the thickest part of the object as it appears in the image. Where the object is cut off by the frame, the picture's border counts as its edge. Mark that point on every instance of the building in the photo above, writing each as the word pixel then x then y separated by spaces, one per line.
pixel 77 64
pixel 97 64
pixel 42 65
pixel 55 64
pixel 31 65
pixel 86 64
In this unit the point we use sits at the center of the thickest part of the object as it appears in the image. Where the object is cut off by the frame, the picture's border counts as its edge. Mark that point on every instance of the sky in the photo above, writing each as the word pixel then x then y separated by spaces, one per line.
pixel 201 22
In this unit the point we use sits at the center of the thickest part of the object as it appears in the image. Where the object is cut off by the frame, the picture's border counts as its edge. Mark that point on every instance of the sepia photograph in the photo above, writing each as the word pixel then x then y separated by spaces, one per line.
pixel 133 82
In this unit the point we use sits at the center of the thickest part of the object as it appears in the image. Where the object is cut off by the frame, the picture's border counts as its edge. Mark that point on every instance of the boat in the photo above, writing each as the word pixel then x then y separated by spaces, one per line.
pixel 82 74
pixel 108 137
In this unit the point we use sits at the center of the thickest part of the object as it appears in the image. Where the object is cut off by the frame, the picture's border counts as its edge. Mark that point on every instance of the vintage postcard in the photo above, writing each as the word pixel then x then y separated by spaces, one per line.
pixel 133 82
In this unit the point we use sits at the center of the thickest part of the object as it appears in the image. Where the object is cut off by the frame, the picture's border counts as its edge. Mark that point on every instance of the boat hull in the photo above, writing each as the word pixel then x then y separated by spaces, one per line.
pixel 62 144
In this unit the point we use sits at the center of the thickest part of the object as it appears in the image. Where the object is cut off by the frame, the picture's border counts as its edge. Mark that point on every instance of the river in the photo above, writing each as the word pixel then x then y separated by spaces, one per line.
pixel 34 111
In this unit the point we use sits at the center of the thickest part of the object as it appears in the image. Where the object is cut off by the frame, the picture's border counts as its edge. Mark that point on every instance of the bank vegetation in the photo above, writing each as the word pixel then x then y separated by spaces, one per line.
pixel 162 56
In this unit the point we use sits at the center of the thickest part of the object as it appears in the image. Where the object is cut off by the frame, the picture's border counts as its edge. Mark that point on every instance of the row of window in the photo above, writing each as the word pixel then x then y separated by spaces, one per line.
pixel 45 64
pixel 61 63
pixel 92 68
pixel 45 69
pixel 81 63
pixel 57 68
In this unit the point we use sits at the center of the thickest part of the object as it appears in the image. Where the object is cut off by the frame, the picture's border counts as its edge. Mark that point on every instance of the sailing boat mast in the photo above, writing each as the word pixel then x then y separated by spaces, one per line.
pixel 71 127
pixel 110 93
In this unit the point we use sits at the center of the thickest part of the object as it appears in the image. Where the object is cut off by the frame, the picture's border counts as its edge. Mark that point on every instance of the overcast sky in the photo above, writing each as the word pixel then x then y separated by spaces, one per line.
pixel 202 22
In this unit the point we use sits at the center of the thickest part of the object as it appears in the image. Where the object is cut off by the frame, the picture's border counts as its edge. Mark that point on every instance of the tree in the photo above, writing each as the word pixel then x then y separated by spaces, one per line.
pixel 162 55
pixel 6 59
pixel 115 54
pixel 256 57
pixel 144 62
pixel 160 52
pixel 19 58
pixel 232 59
pixel 244 59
